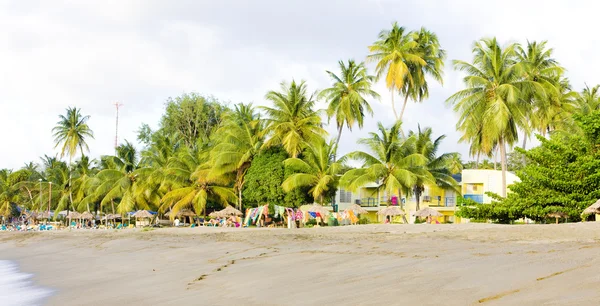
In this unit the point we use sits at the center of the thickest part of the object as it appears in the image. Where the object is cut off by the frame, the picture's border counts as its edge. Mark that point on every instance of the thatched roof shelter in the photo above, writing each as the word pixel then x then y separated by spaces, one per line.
pixel 391 211
pixel 316 208
pixel 428 212
pixel 592 209
pixel 182 213
pixel 558 215
pixel 43 215
pixel 142 214
pixel 86 215
pixel 228 211
pixel 357 209
pixel 73 215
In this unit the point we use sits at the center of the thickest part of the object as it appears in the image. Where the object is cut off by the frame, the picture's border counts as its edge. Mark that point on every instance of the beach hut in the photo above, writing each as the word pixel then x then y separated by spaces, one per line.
pixel 592 209
pixel 557 215
pixel 86 216
pixel 182 213
pixel 142 218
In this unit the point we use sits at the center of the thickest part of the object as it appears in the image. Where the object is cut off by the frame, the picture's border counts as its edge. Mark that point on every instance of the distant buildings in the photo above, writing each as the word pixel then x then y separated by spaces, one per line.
pixel 473 184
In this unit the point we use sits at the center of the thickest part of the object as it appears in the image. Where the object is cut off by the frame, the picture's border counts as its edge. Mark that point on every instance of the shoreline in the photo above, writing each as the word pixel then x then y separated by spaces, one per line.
pixel 370 264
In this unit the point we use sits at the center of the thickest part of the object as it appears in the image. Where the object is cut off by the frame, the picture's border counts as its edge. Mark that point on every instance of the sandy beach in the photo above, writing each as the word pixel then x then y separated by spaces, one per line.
pixel 463 264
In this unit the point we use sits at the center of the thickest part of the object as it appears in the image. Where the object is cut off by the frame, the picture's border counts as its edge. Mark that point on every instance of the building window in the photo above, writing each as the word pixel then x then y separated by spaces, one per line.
pixel 345 196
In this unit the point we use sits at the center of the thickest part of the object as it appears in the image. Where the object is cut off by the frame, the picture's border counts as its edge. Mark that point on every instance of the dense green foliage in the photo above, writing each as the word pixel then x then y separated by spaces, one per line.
pixel 264 179
pixel 562 175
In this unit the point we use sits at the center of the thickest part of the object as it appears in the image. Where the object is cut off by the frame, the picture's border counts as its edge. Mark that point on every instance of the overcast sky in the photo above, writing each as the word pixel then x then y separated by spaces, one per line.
pixel 89 54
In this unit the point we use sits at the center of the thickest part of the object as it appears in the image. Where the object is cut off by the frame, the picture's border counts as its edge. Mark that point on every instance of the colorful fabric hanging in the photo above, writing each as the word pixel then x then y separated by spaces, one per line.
pixel 312 214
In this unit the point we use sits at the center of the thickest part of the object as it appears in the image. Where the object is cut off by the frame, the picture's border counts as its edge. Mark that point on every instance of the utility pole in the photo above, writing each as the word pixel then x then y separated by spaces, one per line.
pixel 117 105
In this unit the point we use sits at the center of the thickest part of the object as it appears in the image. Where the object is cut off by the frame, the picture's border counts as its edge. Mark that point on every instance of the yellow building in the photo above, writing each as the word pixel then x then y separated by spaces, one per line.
pixel 474 185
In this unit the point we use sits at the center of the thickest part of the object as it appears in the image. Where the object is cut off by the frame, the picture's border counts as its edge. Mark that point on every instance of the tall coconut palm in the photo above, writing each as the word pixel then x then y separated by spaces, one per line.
pixel 71 133
pixel 291 121
pixel 391 162
pixel 406 58
pixel 543 73
pixel 429 49
pixel 347 96
pixel 241 138
pixel 316 170
pixel 438 170
pixel 493 97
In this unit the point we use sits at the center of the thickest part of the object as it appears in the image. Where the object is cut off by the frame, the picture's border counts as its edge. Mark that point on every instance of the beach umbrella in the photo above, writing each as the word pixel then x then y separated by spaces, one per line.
pixel 86 215
pixel 182 213
pixel 592 209
pixel 557 215
pixel 228 211
pixel 391 211
pixel 315 208
pixel 73 215
pixel 143 214
pixel 44 215
pixel 357 209
pixel 428 212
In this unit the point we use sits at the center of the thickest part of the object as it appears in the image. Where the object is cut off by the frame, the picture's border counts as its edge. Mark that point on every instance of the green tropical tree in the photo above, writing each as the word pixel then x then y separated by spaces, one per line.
pixel 406 58
pixel 392 162
pixel 71 133
pixel 588 100
pixel 492 102
pixel 292 122
pixel 347 96
pixel 122 180
pixel 438 170
pixel 241 138
pixel 316 170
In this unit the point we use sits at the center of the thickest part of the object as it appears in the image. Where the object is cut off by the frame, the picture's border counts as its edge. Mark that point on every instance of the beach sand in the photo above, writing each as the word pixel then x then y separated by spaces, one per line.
pixel 462 264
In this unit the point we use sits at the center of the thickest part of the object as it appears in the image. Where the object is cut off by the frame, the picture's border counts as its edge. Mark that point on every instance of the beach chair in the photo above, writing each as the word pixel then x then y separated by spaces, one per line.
pixel 120 226
pixel 3 228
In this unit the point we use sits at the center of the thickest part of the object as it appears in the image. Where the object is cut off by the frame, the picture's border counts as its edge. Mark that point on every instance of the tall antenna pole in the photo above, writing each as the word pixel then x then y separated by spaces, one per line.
pixel 117 105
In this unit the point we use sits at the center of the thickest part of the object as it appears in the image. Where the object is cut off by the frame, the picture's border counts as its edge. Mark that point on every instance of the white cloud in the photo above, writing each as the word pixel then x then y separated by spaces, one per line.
pixel 90 54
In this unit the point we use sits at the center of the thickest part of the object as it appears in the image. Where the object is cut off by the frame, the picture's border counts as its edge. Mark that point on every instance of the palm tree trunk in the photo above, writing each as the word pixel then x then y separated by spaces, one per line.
pixel 503 162
pixel 477 162
pixel 337 141
pixel 418 197
pixel 112 203
pixel 524 146
pixel 403 107
pixel 240 198
pixel 495 158
pixel 70 184
pixel 393 105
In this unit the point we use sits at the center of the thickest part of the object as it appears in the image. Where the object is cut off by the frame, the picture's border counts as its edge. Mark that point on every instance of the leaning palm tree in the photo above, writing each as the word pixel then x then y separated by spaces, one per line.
pixel 347 96
pixel 493 97
pixel 438 170
pixel 315 170
pixel 292 122
pixel 241 137
pixel 406 58
pixel 391 162
pixel 70 133
pixel 205 187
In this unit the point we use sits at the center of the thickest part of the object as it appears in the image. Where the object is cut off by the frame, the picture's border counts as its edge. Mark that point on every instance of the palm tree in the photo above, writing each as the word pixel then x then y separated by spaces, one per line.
pixel 347 96
pixel 204 187
pixel 291 121
pixel 70 133
pixel 392 162
pixel 588 100
pixel 492 100
pixel 121 179
pixel 316 170
pixel 406 58
pixel 543 73
pixel 241 138
pixel 438 170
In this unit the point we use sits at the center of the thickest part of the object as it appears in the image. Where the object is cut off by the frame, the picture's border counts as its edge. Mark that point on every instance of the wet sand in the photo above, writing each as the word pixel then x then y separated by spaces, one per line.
pixel 462 264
